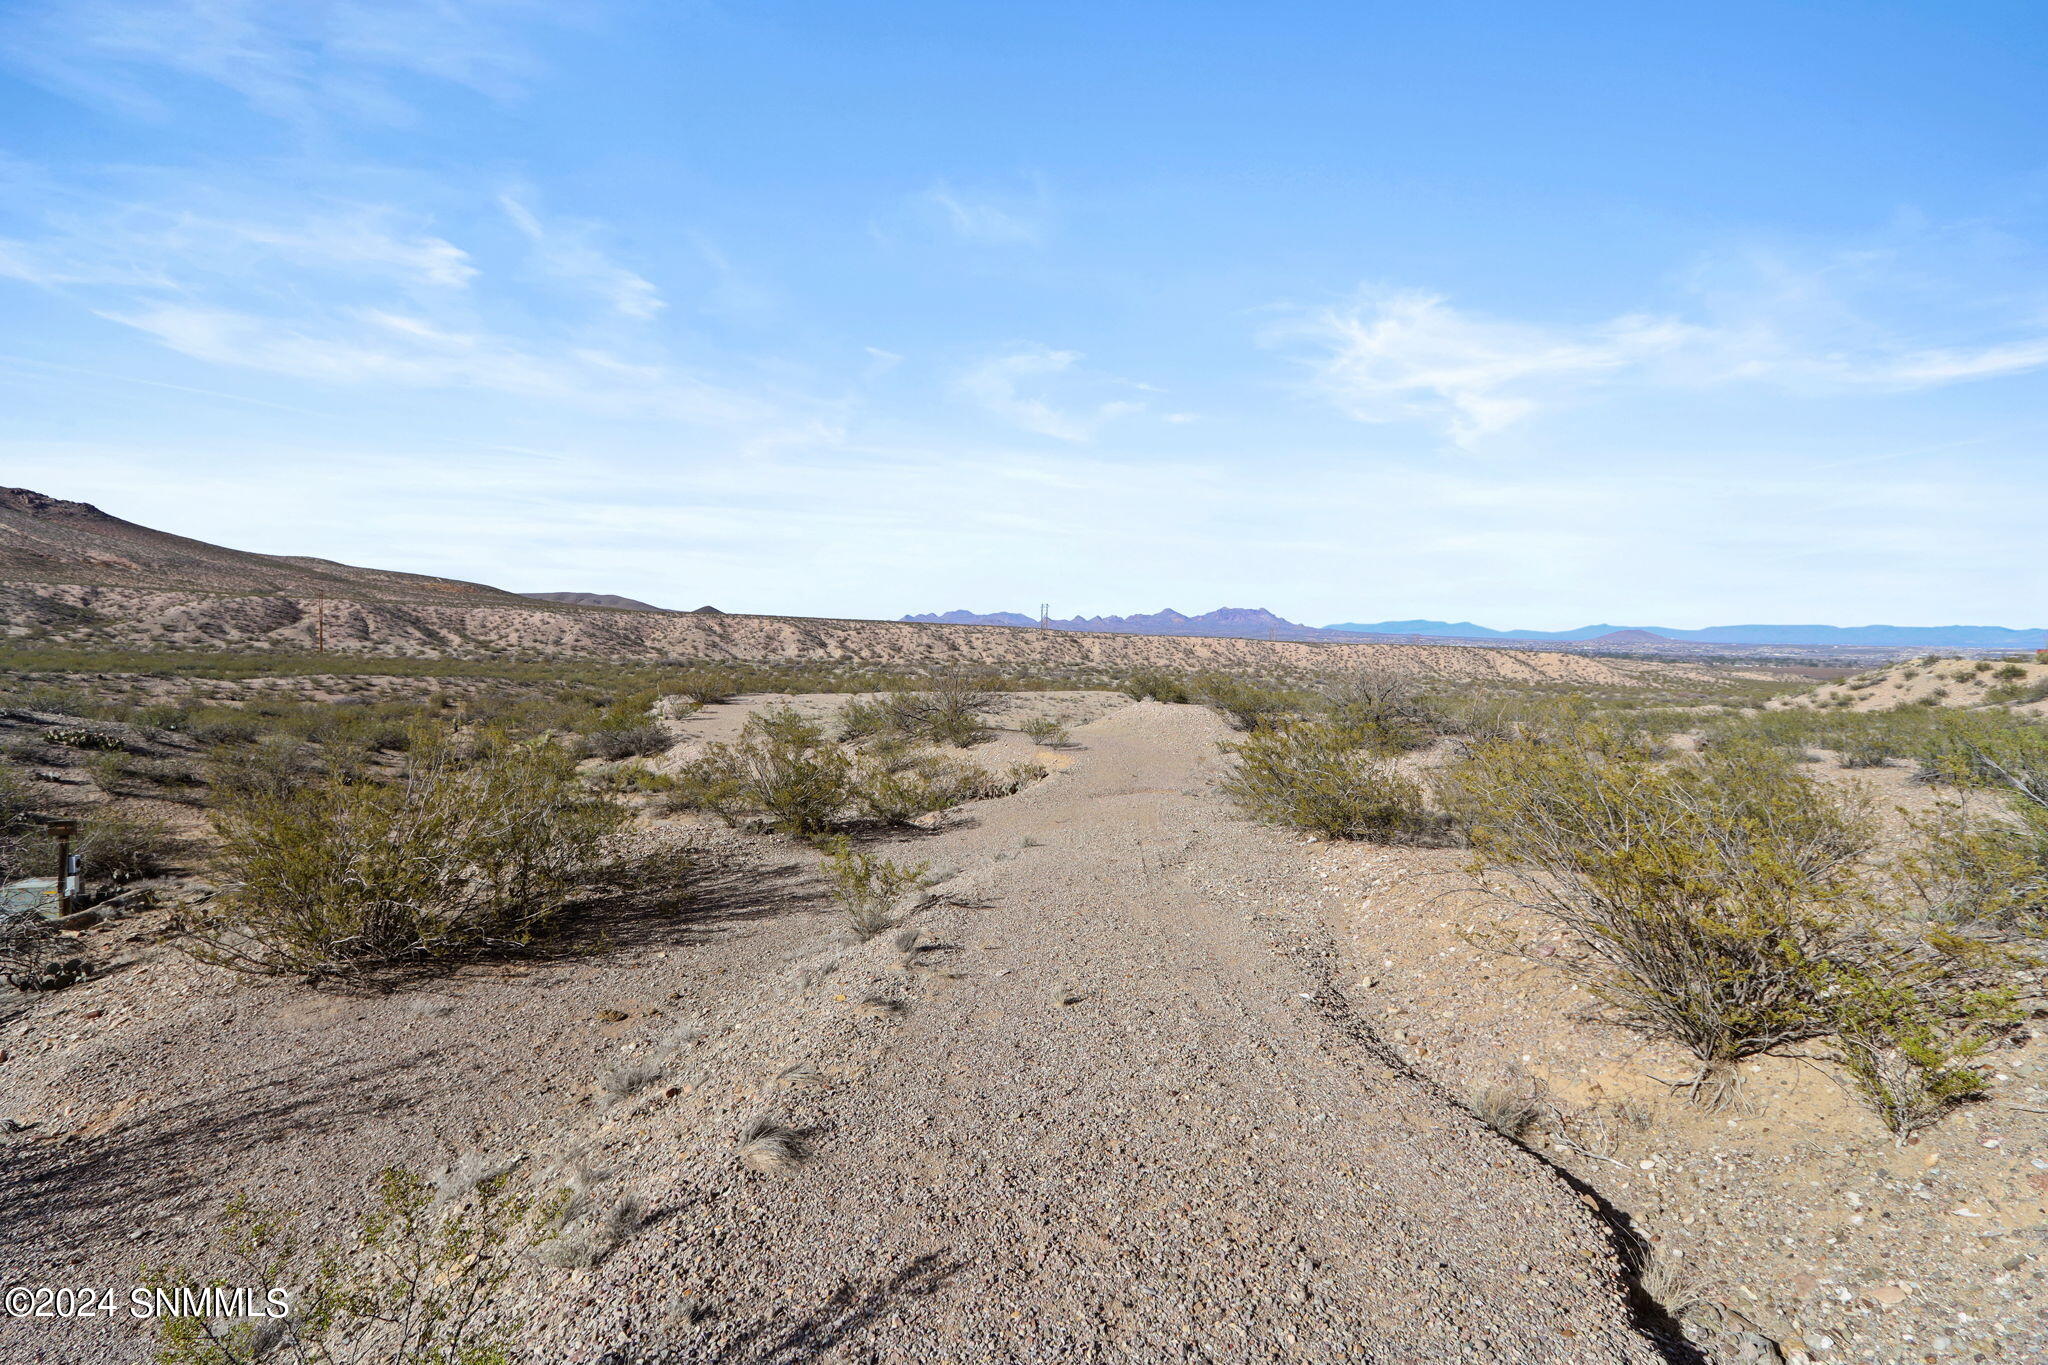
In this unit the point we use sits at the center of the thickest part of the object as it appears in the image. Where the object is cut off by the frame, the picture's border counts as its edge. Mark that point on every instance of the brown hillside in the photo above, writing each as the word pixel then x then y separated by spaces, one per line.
pixel 50 540
pixel 72 575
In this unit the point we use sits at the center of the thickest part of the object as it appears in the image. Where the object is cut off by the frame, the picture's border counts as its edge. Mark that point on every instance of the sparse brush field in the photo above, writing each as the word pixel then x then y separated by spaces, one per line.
pixel 629 976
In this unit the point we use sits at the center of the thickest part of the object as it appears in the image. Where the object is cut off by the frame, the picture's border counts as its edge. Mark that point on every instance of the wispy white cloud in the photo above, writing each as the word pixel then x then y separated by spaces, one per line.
pixel 1027 387
pixel 373 346
pixel 989 218
pixel 293 59
pixel 170 247
pixel 1390 355
pixel 566 251
pixel 1396 355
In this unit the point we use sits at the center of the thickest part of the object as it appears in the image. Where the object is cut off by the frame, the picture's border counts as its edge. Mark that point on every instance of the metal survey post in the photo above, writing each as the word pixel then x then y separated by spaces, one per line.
pixel 67 864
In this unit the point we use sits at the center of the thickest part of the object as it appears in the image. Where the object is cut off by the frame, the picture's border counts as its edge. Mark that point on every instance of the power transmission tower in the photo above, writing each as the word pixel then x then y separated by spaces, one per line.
pixel 1045 616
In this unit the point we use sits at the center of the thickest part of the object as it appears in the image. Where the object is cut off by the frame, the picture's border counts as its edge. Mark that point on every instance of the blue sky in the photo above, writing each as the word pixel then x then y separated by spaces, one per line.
pixel 1527 314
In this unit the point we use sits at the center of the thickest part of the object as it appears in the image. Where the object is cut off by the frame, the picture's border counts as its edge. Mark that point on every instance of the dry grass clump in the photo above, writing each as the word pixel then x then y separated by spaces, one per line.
pixel 769 1146
pixel 1510 1110
pixel 582 1228
pixel 1321 777
pixel 466 852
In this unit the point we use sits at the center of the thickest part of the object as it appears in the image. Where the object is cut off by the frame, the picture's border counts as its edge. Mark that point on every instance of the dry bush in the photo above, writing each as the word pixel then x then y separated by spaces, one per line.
pixel 630 741
pixel 1387 713
pixel 417 1285
pixel 1709 901
pixel 1317 776
pixel 462 854
pixel 126 848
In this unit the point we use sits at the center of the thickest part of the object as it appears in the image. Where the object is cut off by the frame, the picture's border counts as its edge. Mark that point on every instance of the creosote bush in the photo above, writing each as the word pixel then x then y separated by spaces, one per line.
pixel 950 711
pixel 784 772
pixel 1710 901
pixel 1250 705
pixel 871 889
pixel 477 846
pixel 1324 778
pixel 1910 1044
pixel 782 769
pixel 418 1285
pixel 1388 713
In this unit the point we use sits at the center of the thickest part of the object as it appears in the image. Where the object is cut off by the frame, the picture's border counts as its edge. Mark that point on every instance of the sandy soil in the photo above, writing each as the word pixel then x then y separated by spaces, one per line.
pixel 1116 1102
pixel 1951 682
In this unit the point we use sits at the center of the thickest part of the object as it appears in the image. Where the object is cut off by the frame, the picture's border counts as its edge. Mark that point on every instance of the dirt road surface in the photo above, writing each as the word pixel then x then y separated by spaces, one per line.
pixel 1110 1106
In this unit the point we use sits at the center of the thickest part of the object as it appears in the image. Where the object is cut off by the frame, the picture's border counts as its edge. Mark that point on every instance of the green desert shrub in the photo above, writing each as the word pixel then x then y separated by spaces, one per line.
pixel 1706 901
pixel 1249 704
pixel 1150 684
pixel 871 889
pixel 1978 869
pixel 1910 1044
pixel 1046 731
pixel 1321 777
pixel 782 770
pixel 704 686
pixel 466 852
pixel 899 788
pixel 1389 713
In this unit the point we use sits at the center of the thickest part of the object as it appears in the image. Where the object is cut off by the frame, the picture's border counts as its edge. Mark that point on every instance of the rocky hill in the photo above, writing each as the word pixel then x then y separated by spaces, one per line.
pixel 594 599
pixel 45 540
pixel 72 575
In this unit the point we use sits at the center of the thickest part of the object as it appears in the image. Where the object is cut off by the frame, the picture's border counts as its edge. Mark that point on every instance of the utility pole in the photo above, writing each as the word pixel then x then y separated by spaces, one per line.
pixel 320 626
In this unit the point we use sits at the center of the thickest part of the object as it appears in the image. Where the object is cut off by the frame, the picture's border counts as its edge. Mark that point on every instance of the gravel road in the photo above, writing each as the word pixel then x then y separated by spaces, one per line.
pixel 1110 1107
pixel 1115 1122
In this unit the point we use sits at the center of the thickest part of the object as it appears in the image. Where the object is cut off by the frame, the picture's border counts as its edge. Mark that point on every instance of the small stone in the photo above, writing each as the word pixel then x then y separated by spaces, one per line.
pixel 611 1016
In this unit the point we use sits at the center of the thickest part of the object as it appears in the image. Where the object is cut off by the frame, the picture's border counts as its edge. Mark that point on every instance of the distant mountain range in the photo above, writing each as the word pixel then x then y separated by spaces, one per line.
pixel 1249 623
pixel 1259 624
pixel 1971 637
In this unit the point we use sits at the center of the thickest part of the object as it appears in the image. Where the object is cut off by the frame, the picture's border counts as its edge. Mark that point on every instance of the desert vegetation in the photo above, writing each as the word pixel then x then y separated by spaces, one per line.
pixel 480 844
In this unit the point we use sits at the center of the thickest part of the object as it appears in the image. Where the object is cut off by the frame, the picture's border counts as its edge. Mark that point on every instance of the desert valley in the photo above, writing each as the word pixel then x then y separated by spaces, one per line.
pixel 588 983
